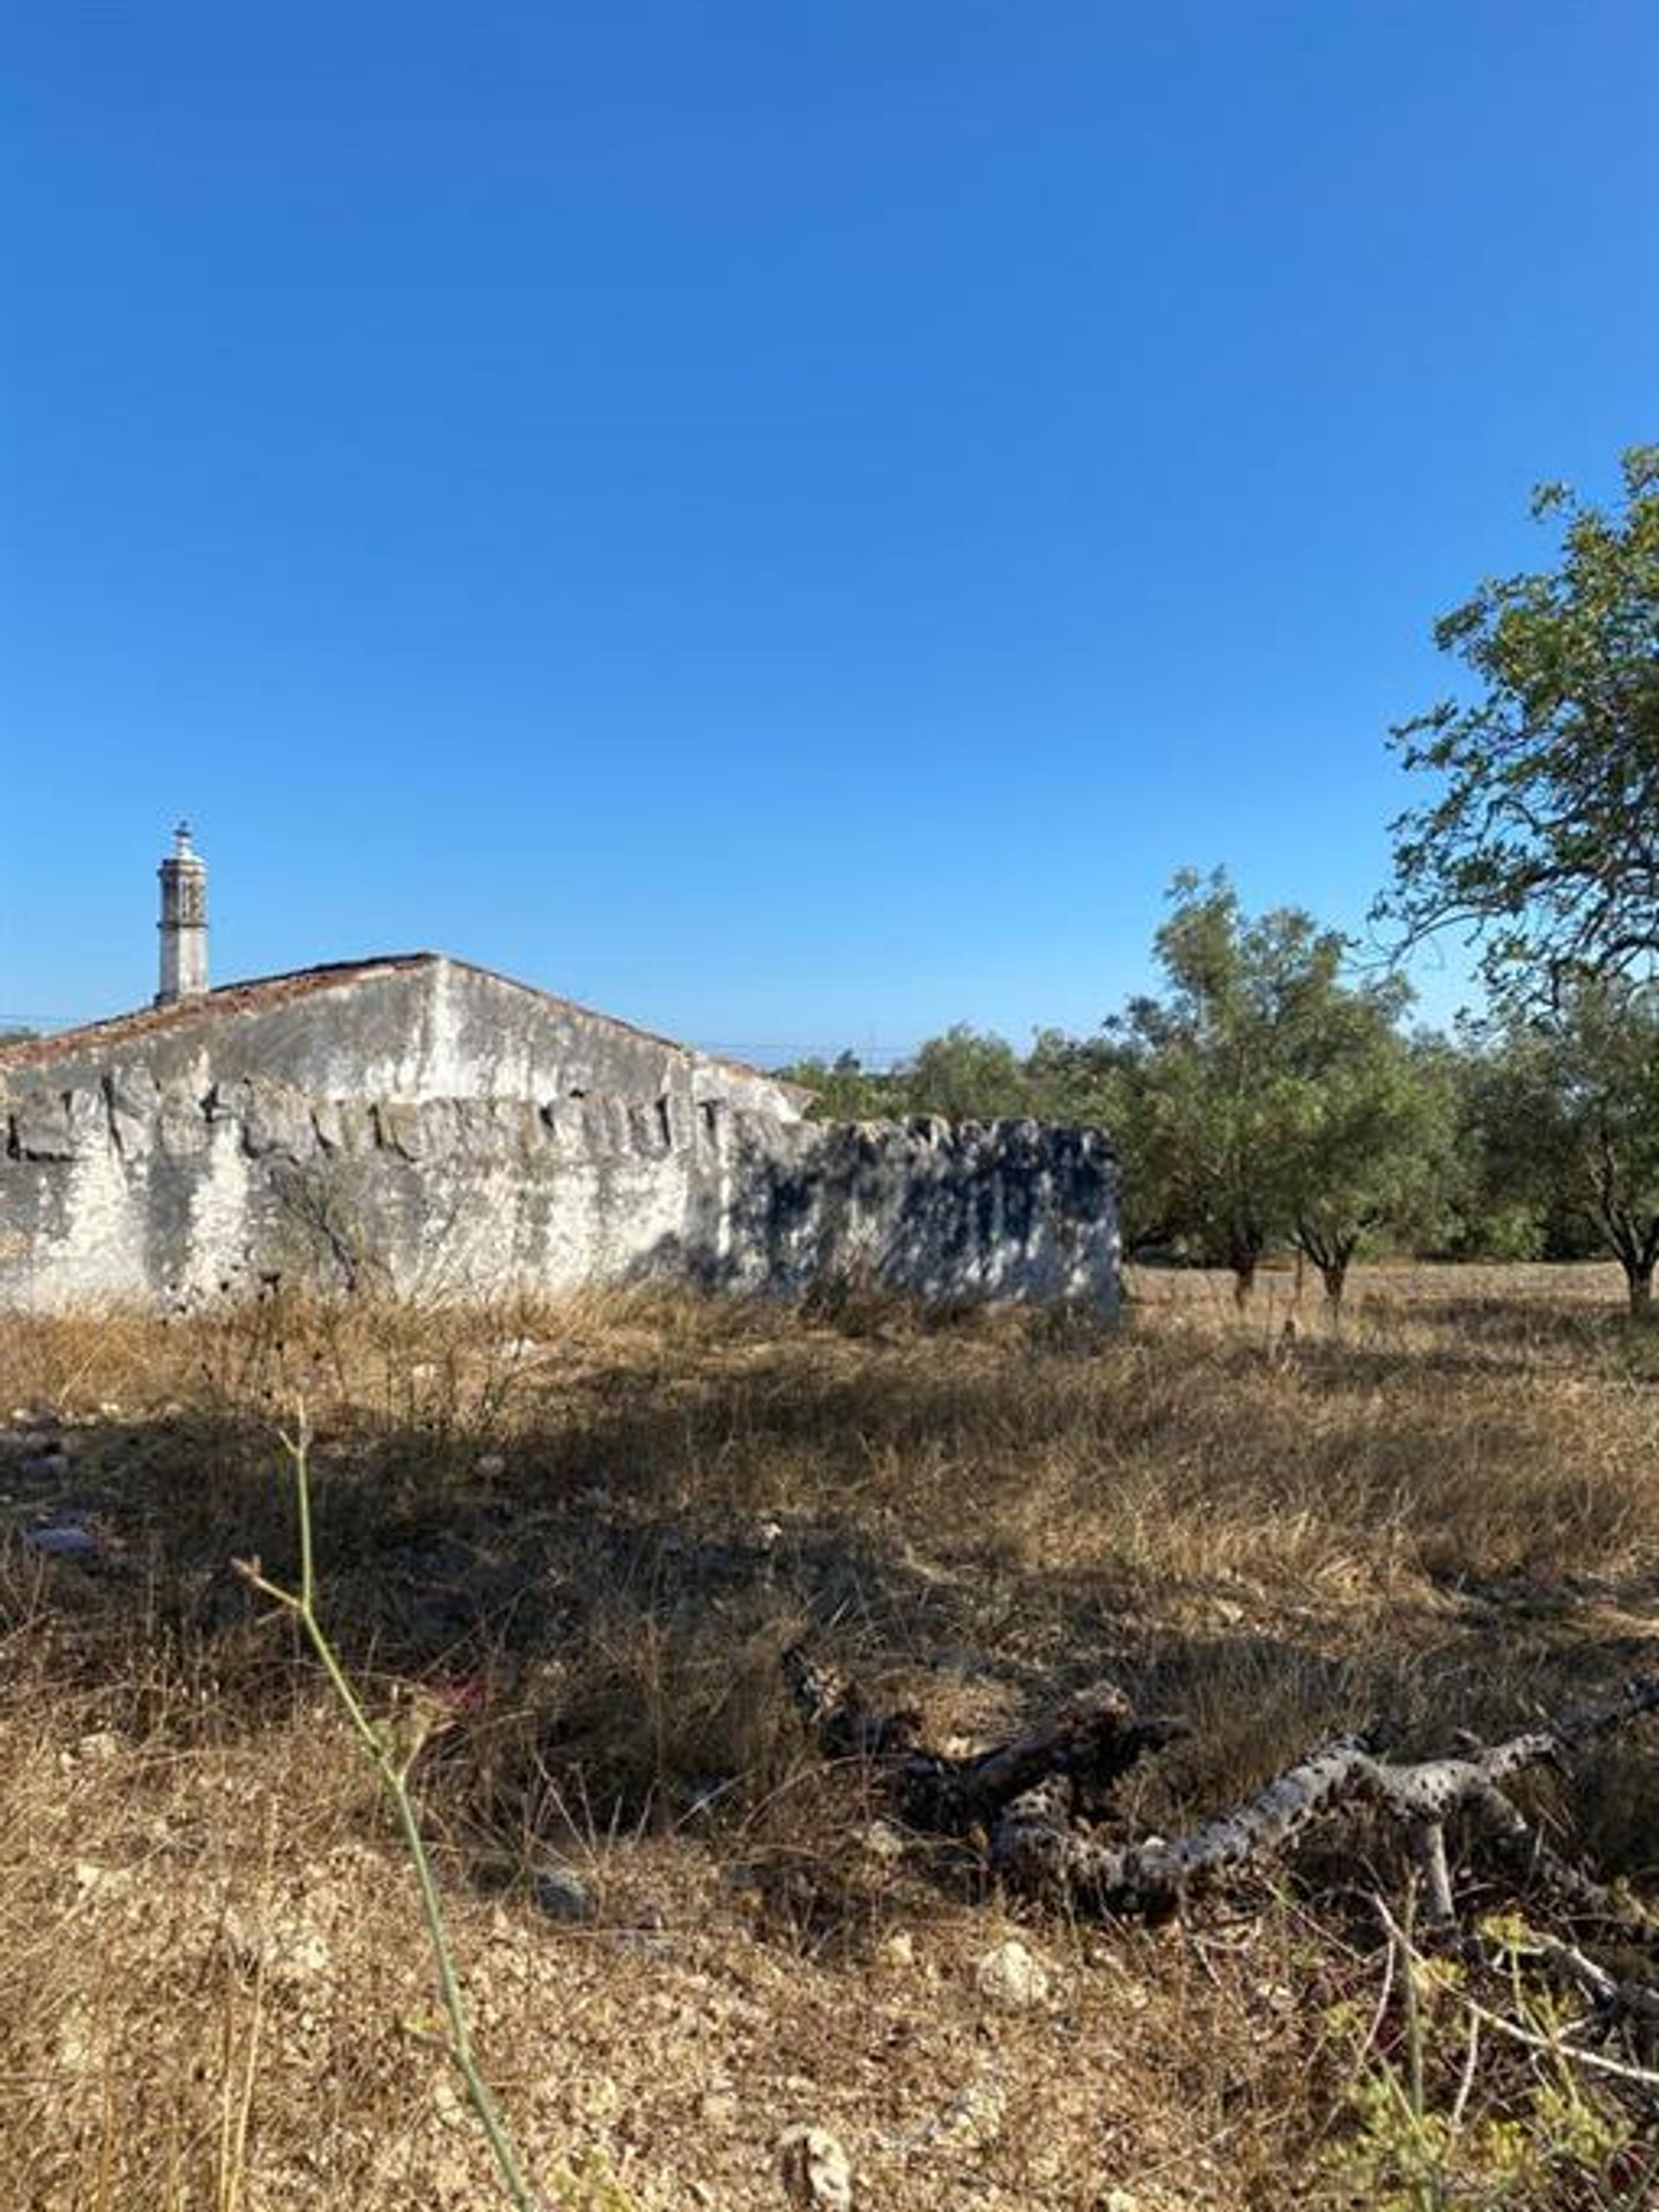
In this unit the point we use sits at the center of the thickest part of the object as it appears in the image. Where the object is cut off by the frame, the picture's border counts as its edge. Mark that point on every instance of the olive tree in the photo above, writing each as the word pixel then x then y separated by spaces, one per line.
pixel 1573 1116
pixel 1371 1144
pixel 1266 1098
pixel 968 1075
pixel 1541 836
pixel 844 1090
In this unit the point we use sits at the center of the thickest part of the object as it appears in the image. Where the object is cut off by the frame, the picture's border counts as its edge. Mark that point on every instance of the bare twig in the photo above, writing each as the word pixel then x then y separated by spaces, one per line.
pixel 1555 2047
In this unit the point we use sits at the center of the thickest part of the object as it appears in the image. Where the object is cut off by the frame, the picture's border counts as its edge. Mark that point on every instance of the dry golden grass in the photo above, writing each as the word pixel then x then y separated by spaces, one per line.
pixel 590 1531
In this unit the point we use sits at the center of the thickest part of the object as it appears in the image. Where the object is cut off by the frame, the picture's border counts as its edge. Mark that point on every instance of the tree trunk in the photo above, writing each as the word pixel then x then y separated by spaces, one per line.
pixel 1243 1266
pixel 1639 1282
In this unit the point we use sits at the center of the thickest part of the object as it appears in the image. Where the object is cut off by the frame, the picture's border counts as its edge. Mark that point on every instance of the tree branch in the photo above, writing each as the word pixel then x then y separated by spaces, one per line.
pixel 1027 1795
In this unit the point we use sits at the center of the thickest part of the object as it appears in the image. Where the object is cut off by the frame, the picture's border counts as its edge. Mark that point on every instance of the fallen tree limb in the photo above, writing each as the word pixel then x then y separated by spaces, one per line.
pixel 1028 1794
pixel 1091 1741
pixel 1037 1846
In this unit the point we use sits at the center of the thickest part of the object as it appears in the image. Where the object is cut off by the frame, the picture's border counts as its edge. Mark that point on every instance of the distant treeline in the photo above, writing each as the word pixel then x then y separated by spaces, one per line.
pixel 1268 1100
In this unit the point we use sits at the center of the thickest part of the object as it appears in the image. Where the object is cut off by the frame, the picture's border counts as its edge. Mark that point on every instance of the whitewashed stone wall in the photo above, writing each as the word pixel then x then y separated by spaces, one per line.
pixel 132 1189
pixel 424 1126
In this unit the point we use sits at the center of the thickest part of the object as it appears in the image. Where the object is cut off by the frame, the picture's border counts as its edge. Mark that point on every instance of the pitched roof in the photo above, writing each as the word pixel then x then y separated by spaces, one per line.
pixel 250 997
pixel 94 1038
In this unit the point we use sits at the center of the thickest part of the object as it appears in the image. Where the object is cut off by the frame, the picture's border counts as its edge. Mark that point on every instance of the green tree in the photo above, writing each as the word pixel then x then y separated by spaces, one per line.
pixel 1508 1201
pixel 1489 1212
pixel 1263 1097
pixel 1573 1118
pixel 968 1075
pixel 845 1090
pixel 1542 838
pixel 965 1074
pixel 1372 1142
pixel 1079 1081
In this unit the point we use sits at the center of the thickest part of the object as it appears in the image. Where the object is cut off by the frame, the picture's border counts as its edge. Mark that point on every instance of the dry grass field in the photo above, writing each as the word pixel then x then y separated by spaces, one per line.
pixel 581 1537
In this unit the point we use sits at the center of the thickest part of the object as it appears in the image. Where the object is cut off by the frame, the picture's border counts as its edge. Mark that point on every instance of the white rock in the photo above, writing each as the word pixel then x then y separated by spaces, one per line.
pixel 813 2171
pixel 91 1877
pixel 1010 1974
pixel 975 2114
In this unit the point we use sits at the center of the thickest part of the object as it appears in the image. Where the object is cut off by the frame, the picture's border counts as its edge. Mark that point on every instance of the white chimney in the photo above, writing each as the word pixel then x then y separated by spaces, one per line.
pixel 184 921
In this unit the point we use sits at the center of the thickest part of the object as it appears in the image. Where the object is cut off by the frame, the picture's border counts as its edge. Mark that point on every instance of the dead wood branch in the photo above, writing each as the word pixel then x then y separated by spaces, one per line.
pixel 1027 1795
pixel 1616 2002
pixel 1038 1847
pixel 1091 1741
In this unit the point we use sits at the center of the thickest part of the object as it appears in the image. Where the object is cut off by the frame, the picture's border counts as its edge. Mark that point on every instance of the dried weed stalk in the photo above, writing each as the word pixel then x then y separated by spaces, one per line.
pixel 391 1760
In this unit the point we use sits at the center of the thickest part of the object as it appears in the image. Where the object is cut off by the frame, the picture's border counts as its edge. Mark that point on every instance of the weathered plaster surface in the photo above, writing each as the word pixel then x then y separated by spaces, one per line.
pixel 442 1132
pixel 411 1027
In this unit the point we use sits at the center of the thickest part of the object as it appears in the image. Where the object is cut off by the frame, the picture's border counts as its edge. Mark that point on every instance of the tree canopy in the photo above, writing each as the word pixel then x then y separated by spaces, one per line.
pixel 1542 838
pixel 1261 1099
pixel 1264 1097
pixel 1571 1117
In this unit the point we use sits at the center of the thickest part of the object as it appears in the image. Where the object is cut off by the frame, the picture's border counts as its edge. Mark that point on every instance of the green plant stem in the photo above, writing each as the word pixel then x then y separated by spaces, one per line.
pixel 393 1779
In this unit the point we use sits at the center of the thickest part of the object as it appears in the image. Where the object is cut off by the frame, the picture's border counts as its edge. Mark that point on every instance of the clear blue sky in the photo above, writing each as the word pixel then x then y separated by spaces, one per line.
pixel 785 522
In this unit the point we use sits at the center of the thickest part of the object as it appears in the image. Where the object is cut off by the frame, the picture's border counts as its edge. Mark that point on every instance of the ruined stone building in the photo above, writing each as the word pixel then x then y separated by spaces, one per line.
pixel 419 1124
